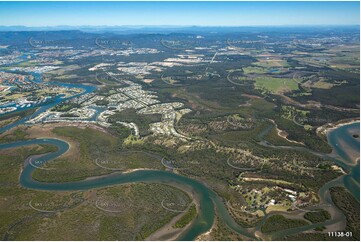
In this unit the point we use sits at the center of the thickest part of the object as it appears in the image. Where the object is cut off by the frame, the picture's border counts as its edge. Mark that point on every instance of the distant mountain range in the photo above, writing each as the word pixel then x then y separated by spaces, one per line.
pixel 172 28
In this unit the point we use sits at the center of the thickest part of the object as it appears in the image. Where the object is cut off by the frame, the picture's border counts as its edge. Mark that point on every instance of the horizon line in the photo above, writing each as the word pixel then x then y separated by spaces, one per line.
pixel 181 26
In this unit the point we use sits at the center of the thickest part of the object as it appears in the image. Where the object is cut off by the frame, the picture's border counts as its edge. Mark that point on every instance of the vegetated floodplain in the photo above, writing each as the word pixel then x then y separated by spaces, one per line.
pixel 279 222
pixel 350 207
pixel 187 217
pixel 317 216
pixel 97 153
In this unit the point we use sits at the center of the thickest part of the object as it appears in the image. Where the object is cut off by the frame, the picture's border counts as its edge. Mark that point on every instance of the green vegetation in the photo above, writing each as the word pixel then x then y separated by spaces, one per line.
pixel 92 144
pixel 275 85
pixel 317 216
pixel 278 222
pixel 27 63
pixel 273 137
pixel 289 112
pixel 254 70
pixel 17 134
pixel 14 206
pixel 312 237
pixel 94 147
pixel 141 120
pixel 140 209
pixel 272 63
pixel 138 213
pixel 350 207
pixel 133 140
pixel 300 134
pixel 187 217
pixel 102 102
pixel 119 131
pixel 136 221
pixel 221 232
pixel 16 115
pixel 65 107
pixel 237 100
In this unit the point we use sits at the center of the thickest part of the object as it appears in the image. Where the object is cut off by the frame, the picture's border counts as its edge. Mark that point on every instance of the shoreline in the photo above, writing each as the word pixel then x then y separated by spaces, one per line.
pixel 326 128
pixel 354 156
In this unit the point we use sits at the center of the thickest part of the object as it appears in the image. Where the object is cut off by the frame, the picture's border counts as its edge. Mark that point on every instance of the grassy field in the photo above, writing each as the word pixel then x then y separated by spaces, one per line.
pixel 276 85
pixel 272 63
pixel 254 70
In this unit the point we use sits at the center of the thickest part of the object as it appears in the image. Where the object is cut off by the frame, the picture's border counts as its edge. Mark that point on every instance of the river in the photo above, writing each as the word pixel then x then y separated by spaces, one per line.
pixel 341 156
pixel 207 197
pixel 209 200
pixel 350 145
pixel 53 102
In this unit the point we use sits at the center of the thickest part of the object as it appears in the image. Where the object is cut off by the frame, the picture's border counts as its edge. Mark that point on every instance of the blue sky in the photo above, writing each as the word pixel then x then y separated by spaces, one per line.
pixel 179 13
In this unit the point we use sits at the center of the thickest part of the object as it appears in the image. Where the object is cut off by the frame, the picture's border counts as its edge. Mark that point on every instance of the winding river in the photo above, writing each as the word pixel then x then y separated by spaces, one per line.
pixel 207 197
pixel 209 200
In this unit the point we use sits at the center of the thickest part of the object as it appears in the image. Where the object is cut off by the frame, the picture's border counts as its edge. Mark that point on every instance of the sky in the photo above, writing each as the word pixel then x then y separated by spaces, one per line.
pixel 179 13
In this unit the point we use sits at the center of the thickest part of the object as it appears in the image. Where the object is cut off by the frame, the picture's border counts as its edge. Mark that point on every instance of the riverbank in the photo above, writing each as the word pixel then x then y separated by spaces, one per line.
pixel 168 232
